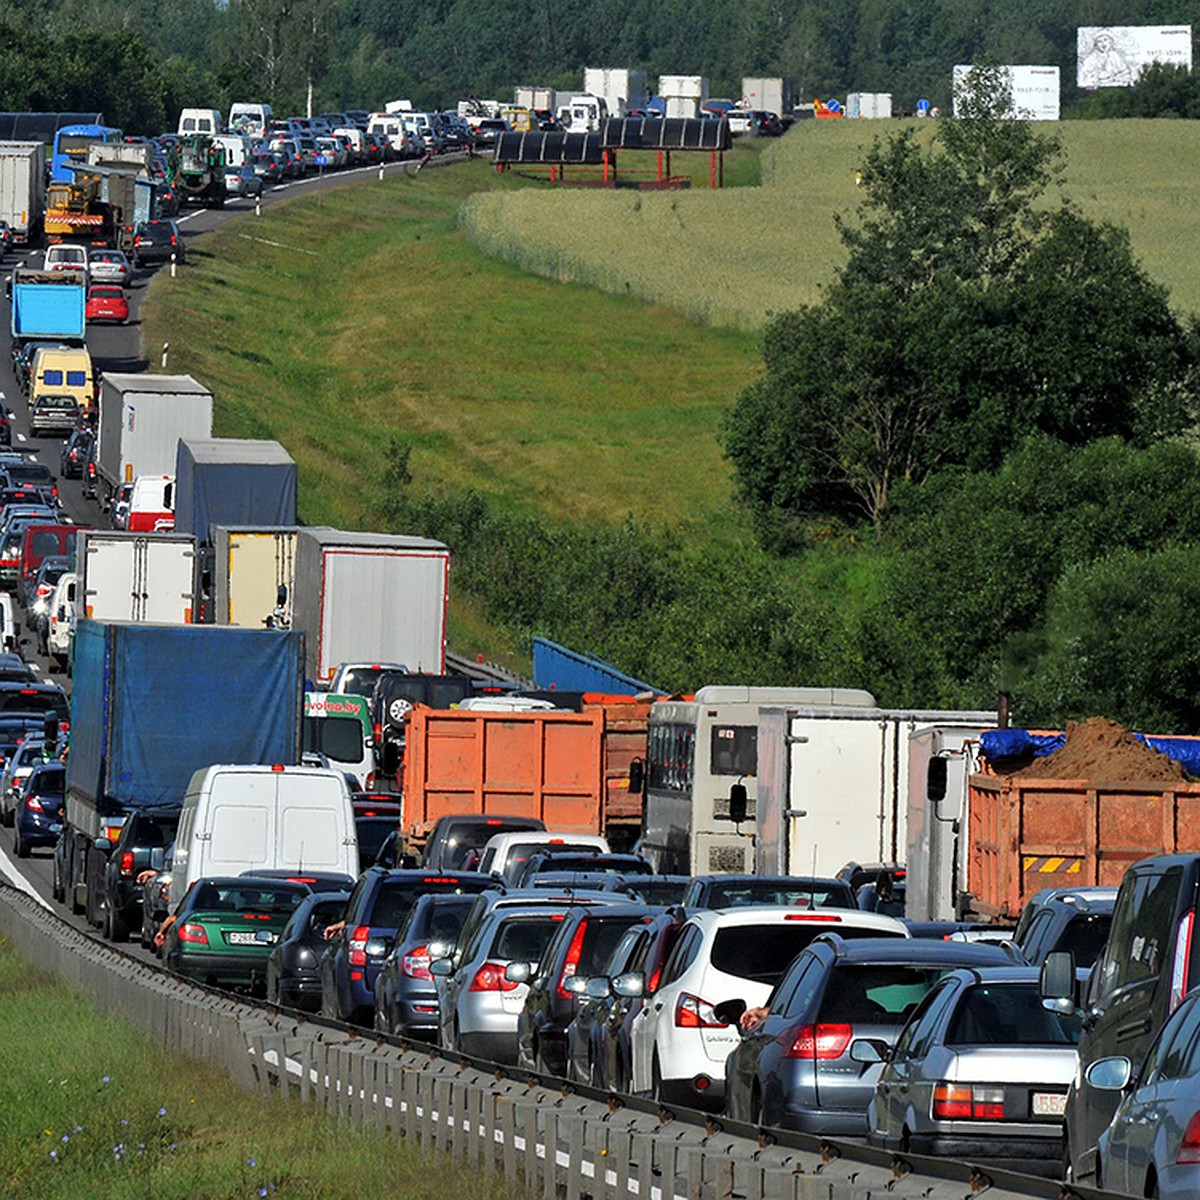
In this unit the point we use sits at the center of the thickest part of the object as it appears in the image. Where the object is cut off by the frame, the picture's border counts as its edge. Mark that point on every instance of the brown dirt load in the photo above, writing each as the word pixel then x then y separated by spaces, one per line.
pixel 1099 748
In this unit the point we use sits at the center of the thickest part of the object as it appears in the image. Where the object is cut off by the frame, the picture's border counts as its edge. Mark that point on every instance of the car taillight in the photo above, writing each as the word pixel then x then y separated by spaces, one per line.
pixel 358 946
pixel 127 862
pixel 1189 1146
pixel 691 1012
pixel 652 982
pixel 957 1102
pixel 490 978
pixel 415 964
pixel 1182 962
pixel 817 1041
pixel 195 934
pixel 571 965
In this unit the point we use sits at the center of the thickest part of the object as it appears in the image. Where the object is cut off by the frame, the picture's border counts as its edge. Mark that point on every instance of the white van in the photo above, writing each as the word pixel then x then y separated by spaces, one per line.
pixel 60 628
pixel 391 126
pixel 253 120
pixel 64 256
pixel 200 120
pixel 249 818
pixel 506 853
pixel 237 148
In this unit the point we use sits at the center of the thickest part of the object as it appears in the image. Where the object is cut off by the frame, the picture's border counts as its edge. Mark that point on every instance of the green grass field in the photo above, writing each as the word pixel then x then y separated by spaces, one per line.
pixel 732 259
pixel 88 1107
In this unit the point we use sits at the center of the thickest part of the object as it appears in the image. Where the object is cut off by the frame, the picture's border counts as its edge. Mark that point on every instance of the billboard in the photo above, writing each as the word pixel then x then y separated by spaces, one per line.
pixel 1113 55
pixel 1035 91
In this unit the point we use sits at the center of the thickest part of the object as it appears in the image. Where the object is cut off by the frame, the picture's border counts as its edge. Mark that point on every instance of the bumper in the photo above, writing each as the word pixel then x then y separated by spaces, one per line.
pixel 417 1015
pixel 221 970
pixel 304 994
pixel 1036 1156
pixel 495 1047
pixel 826 1122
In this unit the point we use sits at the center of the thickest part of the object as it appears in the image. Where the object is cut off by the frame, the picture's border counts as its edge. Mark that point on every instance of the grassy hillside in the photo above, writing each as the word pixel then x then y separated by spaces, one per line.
pixel 732 259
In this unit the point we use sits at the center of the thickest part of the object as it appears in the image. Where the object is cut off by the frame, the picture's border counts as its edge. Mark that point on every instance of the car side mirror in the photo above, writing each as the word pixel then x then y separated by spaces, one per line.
pixel 441 968
pixel 519 972
pixel 598 988
pixel 1057 982
pixel 630 985
pixel 440 950
pixel 729 1012
pixel 936 778
pixel 103 845
pixel 379 947
pixel 576 985
pixel 862 1050
pixel 1110 1074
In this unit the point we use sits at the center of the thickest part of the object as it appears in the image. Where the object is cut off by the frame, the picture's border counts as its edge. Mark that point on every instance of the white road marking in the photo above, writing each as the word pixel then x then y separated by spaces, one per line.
pixel 18 880
pixel 21 437
pixel 281 245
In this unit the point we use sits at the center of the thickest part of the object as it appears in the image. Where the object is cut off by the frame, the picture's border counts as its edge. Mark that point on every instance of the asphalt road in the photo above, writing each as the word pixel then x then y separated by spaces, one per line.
pixel 118 348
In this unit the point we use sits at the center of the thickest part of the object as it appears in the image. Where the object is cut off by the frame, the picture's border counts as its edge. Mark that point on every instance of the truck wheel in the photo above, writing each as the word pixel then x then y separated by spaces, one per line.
pixel 93 908
pixel 56 884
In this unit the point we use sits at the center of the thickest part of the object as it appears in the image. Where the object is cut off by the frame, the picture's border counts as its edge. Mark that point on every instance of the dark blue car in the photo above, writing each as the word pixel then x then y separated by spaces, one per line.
pixel 377 908
pixel 39 808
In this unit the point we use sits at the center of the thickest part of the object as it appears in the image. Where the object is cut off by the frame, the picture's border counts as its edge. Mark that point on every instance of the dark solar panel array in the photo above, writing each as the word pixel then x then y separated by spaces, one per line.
pixel 671 133
pixel 550 147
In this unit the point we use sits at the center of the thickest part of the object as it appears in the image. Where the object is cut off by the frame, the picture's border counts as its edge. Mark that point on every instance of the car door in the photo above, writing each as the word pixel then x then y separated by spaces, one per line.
pixel 644 1026
pixel 893 1099
pixel 760 1052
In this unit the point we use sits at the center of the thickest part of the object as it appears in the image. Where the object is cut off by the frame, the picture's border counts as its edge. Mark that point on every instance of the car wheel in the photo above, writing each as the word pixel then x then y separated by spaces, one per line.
pixel 756 1105
pixel 115 929
pixel 7 816
pixel 1151 1189
pixel 92 911
pixel 656 1080
pixel 20 849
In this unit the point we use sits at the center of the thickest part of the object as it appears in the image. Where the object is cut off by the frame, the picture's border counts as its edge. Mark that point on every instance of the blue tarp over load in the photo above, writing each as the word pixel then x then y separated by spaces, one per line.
pixel 1022 743
pixel 151 704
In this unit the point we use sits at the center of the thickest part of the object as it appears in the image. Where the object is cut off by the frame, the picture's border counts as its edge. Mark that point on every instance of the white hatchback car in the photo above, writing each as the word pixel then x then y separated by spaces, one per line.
pixel 679 1045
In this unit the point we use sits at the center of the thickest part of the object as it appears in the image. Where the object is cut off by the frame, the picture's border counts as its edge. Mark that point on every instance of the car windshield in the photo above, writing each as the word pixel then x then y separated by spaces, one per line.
pixel 1085 937
pixel 467 837
pixel 235 896
pixel 442 920
pixel 762 952
pixel 1010 1014
pixel 340 739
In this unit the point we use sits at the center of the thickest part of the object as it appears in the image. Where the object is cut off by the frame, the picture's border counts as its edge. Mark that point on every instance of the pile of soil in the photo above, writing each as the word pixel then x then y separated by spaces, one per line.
pixel 1101 749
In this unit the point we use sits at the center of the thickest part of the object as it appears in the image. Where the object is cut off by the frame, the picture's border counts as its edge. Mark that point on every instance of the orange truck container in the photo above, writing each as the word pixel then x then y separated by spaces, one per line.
pixel 571 769
pixel 1025 834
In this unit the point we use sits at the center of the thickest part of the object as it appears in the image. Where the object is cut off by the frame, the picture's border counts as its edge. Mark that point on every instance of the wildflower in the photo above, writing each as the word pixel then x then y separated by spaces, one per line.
pixel 162 1112
pixel 251 1163
pixel 78 1128
pixel 66 1137
pixel 124 1120
pixel 54 1155
pixel 105 1079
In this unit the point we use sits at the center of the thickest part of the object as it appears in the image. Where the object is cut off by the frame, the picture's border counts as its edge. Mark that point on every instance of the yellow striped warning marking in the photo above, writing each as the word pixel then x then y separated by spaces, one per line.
pixel 1051 865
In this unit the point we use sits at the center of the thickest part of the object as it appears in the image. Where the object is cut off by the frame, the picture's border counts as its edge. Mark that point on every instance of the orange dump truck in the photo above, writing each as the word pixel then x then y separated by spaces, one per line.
pixel 571 769
pixel 1077 818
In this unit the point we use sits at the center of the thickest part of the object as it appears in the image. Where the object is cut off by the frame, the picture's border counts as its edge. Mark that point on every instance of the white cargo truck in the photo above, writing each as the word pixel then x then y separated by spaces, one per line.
pixel 869 106
pixel 534 98
pixel 370 597
pixel 143 577
pixel 770 94
pixel 22 188
pixel 142 418
pixel 621 89
pixel 833 785
pixel 254 572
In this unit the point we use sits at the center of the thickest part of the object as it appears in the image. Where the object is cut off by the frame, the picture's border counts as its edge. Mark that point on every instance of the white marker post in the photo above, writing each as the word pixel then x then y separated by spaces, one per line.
pixel 172 266
pixel 166 347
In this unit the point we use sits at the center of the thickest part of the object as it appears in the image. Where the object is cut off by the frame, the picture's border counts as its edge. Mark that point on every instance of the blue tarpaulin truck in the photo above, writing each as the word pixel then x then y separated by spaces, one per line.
pixel 49 306
pixel 150 705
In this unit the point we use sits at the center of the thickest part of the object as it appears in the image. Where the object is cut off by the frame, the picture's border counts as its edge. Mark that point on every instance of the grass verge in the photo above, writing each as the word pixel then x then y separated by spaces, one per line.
pixel 90 1108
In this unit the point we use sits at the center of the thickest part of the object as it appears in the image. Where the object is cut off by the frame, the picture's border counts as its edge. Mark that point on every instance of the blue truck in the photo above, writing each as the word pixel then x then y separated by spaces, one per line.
pixel 150 705
pixel 49 306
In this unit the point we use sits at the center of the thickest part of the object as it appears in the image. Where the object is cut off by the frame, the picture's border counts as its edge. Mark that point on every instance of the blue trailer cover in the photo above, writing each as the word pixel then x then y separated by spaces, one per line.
pixel 151 704
pixel 48 310
pixel 233 481
pixel 1020 743
pixel 555 666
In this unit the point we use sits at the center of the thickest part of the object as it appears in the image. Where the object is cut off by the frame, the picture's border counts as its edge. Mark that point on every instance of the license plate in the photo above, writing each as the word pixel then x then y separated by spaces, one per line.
pixel 1049 1104
pixel 249 939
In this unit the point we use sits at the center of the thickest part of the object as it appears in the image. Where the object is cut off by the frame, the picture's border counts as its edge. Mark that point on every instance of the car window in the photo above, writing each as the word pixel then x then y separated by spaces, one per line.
pixel 917 1036
pixel 629 949
pixel 1140 938
pixel 1010 1014
pixel 754 892
pixel 798 996
pixel 524 939
pixel 682 956
pixel 875 994
pixel 1029 937
pixel 1085 937
pixel 762 952
pixel 1174 1055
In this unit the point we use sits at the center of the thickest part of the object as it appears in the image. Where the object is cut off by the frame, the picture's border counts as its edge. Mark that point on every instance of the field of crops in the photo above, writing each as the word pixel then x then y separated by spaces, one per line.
pixel 732 258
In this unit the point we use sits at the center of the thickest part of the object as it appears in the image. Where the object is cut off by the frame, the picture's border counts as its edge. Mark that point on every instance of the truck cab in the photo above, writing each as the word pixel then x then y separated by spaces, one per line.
pixel 152 504
pixel 200 120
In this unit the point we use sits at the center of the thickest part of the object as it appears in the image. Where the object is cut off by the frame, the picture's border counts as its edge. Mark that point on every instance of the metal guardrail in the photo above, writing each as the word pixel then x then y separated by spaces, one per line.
pixel 565 1142
pixel 459 664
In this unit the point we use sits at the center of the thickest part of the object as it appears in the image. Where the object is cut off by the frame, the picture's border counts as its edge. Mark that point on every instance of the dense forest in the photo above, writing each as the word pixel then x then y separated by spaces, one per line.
pixel 142 59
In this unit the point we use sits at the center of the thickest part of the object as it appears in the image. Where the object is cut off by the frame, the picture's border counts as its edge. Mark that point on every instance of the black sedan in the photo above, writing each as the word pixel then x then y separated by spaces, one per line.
pixel 294 964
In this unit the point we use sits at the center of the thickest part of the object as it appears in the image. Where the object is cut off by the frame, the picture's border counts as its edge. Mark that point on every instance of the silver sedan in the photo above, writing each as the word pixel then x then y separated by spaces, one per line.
pixel 980 1071
pixel 109 266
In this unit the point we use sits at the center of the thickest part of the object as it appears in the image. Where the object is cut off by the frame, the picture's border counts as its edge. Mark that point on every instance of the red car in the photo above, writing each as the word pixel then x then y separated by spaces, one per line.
pixel 107 303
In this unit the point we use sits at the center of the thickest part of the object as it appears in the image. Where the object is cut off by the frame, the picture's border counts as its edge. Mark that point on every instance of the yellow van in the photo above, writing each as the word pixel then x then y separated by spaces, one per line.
pixel 62 371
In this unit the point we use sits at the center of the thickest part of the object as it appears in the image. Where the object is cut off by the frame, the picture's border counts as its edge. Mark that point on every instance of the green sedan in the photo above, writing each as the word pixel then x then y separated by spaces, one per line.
pixel 224 929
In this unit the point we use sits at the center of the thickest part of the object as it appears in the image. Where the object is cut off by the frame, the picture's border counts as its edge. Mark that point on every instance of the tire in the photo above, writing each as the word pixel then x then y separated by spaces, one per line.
pixel 7 817
pixel 656 1080
pixel 56 885
pixel 115 929
pixel 19 847
pixel 91 908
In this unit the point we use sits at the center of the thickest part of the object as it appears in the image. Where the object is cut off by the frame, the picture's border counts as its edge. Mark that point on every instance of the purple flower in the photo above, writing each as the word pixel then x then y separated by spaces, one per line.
pixel 162 1112
pixel 54 1154
pixel 105 1079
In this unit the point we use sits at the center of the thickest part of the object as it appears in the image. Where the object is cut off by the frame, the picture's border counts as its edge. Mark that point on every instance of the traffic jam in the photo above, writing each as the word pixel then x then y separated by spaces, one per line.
pixel 239 748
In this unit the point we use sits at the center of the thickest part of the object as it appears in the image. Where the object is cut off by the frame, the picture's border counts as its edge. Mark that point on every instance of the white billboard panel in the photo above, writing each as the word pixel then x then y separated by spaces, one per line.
pixel 1113 55
pixel 1035 91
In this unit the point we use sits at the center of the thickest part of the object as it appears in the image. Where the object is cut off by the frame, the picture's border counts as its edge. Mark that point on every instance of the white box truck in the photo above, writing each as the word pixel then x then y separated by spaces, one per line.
pixel 869 106
pixel 142 418
pixel 143 577
pixel 370 597
pixel 530 97
pixel 686 87
pixel 833 786
pixel 620 88
pixel 769 94
pixel 254 571
pixel 22 188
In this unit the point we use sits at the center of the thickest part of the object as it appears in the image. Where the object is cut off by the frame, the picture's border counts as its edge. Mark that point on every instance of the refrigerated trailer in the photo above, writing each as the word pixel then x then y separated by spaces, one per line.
pixel 370 597
pixel 22 188
pixel 139 577
pixel 254 574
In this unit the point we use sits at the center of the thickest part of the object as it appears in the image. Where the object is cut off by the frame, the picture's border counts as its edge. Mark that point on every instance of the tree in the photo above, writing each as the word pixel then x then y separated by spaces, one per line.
pixel 967 315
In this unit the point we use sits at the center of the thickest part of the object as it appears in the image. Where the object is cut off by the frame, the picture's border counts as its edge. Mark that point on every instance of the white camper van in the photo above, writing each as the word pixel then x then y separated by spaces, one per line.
pixel 250 818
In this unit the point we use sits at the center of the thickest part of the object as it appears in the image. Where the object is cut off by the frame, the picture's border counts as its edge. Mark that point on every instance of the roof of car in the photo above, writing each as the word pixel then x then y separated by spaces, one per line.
pixel 773 914
pixel 1084 900
pixel 914 950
